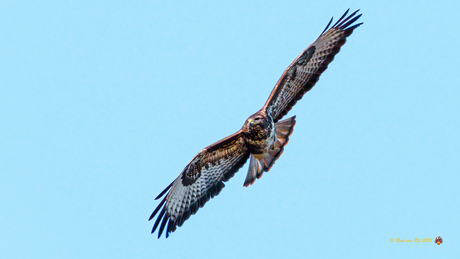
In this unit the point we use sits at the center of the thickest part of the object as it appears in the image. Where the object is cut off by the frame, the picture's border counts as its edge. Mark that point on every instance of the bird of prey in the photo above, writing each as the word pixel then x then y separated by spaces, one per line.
pixel 261 139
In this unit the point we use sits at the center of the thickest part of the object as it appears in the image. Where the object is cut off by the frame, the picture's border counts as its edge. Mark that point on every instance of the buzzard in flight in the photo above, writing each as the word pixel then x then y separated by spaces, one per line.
pixel 261 139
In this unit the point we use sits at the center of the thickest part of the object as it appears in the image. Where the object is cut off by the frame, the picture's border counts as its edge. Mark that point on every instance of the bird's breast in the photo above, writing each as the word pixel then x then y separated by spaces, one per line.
pixel 262 142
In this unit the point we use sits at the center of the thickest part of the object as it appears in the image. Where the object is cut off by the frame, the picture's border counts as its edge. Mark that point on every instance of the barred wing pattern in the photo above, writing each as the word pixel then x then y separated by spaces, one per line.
pixel 304 71
pixel 202 179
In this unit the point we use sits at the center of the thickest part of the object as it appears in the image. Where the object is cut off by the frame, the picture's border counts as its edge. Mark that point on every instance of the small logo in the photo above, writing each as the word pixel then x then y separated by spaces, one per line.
pixel 438 240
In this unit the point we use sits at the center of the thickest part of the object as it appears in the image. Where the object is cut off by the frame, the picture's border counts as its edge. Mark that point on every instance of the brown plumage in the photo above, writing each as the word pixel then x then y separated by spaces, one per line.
pixel 262 137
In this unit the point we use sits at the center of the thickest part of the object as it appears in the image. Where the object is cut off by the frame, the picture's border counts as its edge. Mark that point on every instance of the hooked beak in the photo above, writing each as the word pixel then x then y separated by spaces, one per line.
pixel 251 121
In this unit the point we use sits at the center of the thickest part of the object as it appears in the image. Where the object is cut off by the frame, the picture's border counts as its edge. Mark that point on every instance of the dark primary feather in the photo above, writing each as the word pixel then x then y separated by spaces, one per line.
pixel 305 70
pixel 164 191
pixel 201 180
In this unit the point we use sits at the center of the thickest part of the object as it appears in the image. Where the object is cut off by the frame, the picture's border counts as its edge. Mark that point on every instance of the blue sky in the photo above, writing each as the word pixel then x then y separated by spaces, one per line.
pixel 102 104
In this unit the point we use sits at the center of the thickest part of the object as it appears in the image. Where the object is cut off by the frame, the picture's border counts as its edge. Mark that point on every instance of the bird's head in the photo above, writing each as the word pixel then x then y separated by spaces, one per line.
pixel 256 122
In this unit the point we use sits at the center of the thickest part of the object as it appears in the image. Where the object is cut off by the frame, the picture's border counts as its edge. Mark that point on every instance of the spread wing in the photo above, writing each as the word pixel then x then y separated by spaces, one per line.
pixel 202 179
pixel 304 71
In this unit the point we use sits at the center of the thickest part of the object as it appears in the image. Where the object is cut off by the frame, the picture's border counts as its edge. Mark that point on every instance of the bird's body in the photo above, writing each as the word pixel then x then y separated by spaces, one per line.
pixel 261 139
pixel 260 132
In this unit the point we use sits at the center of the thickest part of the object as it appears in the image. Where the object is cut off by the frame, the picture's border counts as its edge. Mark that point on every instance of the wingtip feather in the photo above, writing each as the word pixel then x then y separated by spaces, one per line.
pixel 339 20
pixel 351 21
pixel 157 209
pixel 344 21
pixel 158 220
pixel 327 26
pixel 164 191
pixel 163 223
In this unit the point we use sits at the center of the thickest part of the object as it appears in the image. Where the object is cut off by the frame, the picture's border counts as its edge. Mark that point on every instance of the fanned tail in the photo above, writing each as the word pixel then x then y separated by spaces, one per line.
pixel 260 163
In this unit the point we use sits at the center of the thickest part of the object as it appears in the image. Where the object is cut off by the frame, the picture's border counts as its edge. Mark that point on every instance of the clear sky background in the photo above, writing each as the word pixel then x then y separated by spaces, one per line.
pixel 102 104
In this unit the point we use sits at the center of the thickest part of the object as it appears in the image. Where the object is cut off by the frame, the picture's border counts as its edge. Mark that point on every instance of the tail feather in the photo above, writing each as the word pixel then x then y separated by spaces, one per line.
pixel 261 163
pixel 255 169
pixel 284 128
